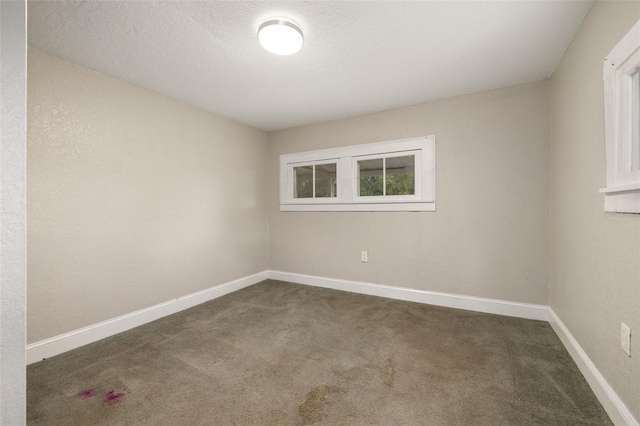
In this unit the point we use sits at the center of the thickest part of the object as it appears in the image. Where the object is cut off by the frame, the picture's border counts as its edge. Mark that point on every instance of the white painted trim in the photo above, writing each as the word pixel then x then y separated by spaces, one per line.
pixel 613 405
pixel 470 303
pixel 426 206
pixel 83 336
pixel 621 188
pixel 622 193
pixel 625 47
pixel 622 202
pixel 397 145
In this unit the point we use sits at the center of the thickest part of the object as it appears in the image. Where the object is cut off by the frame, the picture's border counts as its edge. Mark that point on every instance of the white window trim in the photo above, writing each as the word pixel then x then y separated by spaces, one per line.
pixel 622 193
pixel 346 175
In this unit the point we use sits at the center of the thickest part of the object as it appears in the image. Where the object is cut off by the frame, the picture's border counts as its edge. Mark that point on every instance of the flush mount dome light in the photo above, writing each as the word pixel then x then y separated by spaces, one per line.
pixel 280 36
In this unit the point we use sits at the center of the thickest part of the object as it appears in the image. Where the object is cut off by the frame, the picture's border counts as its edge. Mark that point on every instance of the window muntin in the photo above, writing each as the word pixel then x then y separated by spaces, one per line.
pixel 399 177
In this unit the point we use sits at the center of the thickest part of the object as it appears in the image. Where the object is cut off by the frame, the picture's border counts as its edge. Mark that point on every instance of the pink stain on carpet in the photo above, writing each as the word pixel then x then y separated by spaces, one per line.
pixel 86 394
pixel 112 397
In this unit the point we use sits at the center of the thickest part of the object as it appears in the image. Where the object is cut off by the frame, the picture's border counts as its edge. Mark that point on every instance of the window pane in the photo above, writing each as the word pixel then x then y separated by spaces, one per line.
pixel 326 185
pixel 401 175
pixel 303 182
pixel 370 177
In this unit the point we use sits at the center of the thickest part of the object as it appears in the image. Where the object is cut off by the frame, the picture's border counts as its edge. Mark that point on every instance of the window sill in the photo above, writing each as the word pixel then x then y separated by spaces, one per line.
pixel 622 199
pixel 622 188
pixel 361 207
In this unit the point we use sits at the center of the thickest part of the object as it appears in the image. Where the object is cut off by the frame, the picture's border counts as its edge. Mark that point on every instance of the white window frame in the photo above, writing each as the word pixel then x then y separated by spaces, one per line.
pixel 347 177
pixel 622 193
pixel 291 178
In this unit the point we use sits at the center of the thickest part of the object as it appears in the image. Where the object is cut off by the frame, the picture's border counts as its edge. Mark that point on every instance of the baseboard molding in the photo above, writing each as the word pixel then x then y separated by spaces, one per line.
pixel 470 303
pixel 615 408
pixel 74 339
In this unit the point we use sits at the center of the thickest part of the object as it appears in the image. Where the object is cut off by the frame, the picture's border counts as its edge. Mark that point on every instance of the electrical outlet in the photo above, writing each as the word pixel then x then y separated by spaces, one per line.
pixel 625 338
pixel 364 257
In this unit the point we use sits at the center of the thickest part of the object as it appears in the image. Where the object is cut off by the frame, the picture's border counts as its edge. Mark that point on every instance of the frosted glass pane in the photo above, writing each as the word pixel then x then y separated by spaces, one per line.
pixel 326 185
pixel 370 177
pixel 401 176
pixel 303 182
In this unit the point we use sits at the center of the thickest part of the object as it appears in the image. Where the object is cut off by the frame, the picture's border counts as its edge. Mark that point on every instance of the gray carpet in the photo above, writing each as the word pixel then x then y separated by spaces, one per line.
pixel 285 354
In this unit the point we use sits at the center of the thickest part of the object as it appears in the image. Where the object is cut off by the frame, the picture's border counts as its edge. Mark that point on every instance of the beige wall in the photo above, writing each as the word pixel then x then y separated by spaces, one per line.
pixel 595 256
pixel 133 198
pixel 489 235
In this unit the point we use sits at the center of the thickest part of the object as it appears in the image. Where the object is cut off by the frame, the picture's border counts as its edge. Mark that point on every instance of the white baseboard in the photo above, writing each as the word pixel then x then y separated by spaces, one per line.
pixel 74 339
pixel 83 336
pixel 470 303
pixel 613 405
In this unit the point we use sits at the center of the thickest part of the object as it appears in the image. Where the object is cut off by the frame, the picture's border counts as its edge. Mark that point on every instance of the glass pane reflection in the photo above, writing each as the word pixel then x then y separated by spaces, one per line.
pixel 370 177
pixel 400 175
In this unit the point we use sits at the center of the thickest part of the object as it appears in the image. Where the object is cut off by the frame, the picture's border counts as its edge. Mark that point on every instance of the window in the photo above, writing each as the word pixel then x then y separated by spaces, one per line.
pixel 622 124
pixel 384 176
pixel 390 175
pixel 315 181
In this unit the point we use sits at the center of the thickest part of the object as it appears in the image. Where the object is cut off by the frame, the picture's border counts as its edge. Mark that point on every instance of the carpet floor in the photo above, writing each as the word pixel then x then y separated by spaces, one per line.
pixel 284 354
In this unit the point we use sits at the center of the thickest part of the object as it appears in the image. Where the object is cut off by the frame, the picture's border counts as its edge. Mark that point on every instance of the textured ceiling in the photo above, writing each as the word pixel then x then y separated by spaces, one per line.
pixel 358 57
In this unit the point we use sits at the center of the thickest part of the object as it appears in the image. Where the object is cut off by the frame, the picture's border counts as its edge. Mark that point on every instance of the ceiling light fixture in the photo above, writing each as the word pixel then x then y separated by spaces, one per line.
pixel 280 36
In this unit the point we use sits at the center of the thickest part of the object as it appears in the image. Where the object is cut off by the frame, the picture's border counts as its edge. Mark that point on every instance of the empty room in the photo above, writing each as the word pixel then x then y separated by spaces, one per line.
pixel 320 212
